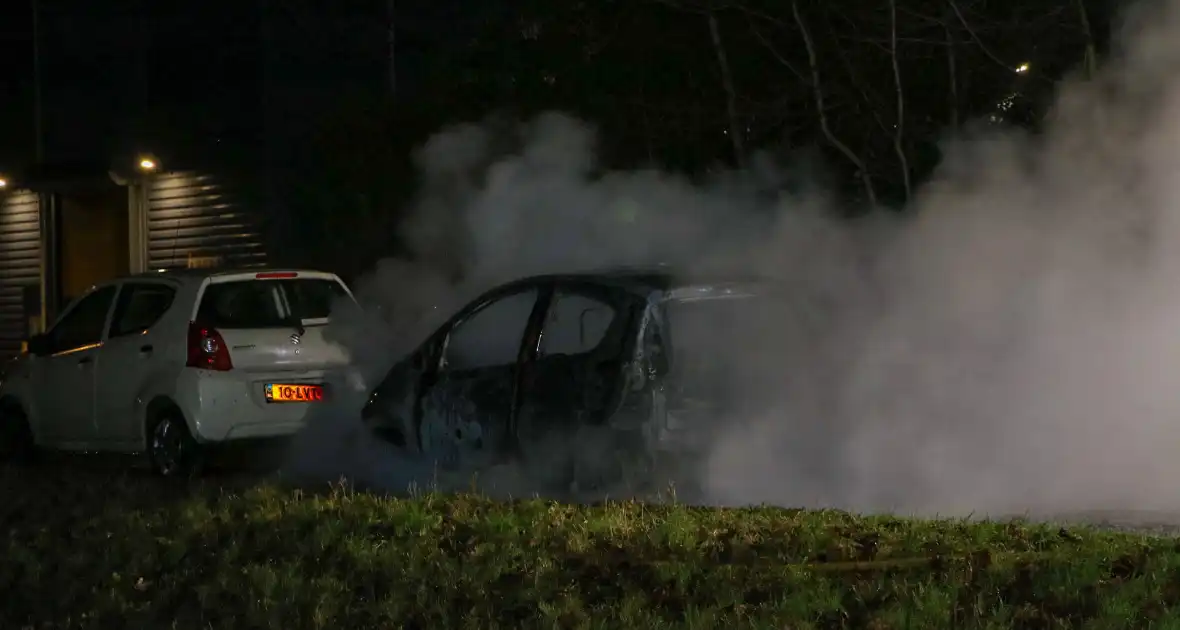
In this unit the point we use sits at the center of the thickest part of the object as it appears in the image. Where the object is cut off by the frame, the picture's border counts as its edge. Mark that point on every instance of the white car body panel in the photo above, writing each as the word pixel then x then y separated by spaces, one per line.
pixel 104 404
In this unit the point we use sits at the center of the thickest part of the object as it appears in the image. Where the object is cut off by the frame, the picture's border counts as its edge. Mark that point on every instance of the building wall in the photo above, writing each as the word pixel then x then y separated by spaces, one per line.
pixel 20 266
pixel 188 220
pixel 193 220
pixel 93 239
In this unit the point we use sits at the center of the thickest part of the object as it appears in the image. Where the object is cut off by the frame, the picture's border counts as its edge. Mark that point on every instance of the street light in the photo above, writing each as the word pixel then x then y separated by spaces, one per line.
pixel 3 183
pixel 147 164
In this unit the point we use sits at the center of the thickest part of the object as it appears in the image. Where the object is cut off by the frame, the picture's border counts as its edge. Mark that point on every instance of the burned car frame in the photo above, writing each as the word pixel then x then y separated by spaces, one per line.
pixel 564 375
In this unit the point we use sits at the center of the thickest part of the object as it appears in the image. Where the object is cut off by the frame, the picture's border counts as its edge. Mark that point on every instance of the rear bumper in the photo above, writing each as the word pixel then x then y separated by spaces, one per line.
pixel 224 407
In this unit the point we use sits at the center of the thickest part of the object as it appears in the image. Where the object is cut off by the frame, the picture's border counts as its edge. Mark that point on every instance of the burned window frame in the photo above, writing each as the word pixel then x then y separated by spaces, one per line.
pixel 616 331
pixel 442 339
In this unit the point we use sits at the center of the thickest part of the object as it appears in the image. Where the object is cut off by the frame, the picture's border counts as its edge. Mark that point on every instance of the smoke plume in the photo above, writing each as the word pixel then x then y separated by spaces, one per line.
pixel 1012 344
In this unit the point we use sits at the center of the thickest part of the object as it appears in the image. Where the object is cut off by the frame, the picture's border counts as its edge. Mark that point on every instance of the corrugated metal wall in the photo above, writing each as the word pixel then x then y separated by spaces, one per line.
pixel 193 220
pixel 20 264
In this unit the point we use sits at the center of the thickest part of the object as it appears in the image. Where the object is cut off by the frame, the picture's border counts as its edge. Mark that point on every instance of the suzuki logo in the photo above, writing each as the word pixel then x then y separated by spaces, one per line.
pixel 295 339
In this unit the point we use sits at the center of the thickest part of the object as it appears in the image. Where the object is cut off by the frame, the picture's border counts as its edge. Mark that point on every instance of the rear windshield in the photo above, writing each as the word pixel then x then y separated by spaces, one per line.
pixel 268 303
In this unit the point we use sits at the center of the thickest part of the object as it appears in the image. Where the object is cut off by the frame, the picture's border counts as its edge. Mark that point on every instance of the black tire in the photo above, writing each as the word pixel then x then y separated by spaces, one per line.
pixel 171 449
pixel 16 436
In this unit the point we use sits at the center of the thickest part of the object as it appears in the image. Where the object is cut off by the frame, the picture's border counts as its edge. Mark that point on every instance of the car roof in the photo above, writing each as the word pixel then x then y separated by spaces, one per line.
pixel 190 276
pixel 631 279
pixel 200 273
pixel 640 280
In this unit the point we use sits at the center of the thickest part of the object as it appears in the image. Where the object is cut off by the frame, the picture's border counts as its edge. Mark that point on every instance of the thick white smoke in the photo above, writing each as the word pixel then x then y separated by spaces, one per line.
pixel 1014 344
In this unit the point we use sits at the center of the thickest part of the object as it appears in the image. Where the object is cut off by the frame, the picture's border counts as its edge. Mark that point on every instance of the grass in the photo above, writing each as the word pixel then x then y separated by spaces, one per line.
pixel 117 551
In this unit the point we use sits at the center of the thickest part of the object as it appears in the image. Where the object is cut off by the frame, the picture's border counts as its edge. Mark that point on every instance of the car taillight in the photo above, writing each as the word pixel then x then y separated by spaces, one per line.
pixel 206 349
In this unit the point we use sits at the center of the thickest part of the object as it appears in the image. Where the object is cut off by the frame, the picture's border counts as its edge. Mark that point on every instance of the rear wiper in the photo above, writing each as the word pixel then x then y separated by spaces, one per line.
pixel 296 323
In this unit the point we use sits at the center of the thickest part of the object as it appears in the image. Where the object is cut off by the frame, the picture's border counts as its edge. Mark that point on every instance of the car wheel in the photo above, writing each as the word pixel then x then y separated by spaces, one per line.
pixel 16 436
pixel 172 450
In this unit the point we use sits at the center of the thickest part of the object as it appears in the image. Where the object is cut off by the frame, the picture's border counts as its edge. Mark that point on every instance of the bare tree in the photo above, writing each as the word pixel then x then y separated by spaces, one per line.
pixel 952 66
pixel 899 125
pixel 1091 59
pixel 975 36
pixel 818 94
pixel 736 132
pixel 709 9
pixel 885 81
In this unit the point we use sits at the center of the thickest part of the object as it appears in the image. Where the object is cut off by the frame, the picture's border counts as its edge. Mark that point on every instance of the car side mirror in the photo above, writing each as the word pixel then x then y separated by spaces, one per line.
pixel 38 345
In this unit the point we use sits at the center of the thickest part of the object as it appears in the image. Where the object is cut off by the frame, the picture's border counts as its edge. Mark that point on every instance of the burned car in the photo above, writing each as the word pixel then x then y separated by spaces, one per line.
pixel 582 380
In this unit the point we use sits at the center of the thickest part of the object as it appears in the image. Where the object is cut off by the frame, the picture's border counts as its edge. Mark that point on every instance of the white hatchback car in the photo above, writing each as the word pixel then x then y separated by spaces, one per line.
pixel 169 363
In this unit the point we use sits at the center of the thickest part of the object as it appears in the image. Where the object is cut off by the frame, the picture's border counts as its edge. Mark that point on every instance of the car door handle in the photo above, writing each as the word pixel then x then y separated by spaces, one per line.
pixel 146 348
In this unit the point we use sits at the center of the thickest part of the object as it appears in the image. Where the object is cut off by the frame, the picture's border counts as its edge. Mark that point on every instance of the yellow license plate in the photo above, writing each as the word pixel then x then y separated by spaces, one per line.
pixel 281 392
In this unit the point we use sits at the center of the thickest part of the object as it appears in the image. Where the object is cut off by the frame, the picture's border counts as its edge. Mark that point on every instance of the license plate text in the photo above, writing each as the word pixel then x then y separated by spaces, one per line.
pixel 280 392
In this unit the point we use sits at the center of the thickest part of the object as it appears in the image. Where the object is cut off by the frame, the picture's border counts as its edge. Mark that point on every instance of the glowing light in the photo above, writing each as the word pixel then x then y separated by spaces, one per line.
pixel 1022 68
pixel 147 164
pixel 3 183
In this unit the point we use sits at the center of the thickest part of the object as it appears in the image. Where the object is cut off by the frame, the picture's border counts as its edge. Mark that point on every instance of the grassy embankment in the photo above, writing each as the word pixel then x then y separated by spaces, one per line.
pixel 124 552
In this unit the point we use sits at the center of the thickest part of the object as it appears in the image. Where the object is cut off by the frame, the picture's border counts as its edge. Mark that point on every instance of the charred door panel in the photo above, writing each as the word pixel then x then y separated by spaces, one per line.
pixel 466 408
pixel 465 417
pixel 392 409
pixel 573 389
pixel 578 373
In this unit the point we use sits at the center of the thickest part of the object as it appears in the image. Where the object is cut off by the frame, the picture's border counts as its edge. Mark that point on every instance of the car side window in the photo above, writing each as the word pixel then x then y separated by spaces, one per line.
pixel 139 307
pixel 490 337
pixel 83 324
pixel 576 324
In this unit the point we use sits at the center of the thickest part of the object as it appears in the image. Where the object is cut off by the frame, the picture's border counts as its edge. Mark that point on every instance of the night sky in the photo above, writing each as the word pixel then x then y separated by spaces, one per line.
pixel 130 76
pixel 193 83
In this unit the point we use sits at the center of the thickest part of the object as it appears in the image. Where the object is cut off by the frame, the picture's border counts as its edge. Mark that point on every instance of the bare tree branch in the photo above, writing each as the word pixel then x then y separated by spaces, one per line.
pixel 818 93
pixel 883 43
pixel 754 13
pixel 1091 62
pixel 736 131
pixel 970 31
pixel 778 56
pixel 860 85
pixel 709 9
pixel 921 18
pixel 899 126
pixel 953 72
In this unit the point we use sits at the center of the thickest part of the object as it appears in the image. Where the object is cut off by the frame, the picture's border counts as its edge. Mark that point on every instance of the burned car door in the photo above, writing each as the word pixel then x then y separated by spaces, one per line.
pixel 391 411
pixel 466 403
pixel 577 371
pixel 577 380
